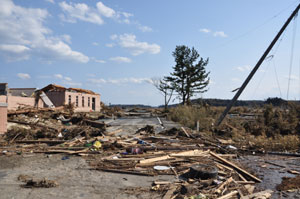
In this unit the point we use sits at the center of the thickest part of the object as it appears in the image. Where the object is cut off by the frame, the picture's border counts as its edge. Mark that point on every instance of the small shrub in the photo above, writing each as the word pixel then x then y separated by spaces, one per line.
pixel 189 115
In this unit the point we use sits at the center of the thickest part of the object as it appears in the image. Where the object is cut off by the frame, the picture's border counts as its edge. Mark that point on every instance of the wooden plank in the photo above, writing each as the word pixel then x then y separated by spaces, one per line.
pixel 126 172
pixel 185 132
pixel 229 195
pixel 236 167
pixel 41 141
pixel 221 187
pixel 150 160
pixel 95 124
pixel 224 166
pixel 170 192
pixel 266 194
pixel 245 182
pixel 113 132
pixel 166 157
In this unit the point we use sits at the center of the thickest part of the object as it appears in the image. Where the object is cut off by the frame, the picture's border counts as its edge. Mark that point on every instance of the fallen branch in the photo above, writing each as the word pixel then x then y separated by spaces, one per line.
pixel 236 167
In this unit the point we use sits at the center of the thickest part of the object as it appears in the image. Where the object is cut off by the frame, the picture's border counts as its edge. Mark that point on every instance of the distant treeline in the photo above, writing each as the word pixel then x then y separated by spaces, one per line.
pixel 220 102
pixel 275 101
pixel 130 106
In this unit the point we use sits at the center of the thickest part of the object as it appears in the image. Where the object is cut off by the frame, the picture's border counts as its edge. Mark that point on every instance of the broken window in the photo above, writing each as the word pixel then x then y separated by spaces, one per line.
pixel 82 101
pixel 77 101
pixel 70 100
pixel 88 101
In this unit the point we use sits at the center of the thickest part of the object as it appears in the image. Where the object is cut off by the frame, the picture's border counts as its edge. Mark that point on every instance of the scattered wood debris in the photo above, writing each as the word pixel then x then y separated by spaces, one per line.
pixel 202 168
pixel 36 183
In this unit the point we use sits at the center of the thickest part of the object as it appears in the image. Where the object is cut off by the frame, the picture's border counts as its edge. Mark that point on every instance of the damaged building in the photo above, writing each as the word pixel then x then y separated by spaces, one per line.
pixel 49 97
pixel 83 100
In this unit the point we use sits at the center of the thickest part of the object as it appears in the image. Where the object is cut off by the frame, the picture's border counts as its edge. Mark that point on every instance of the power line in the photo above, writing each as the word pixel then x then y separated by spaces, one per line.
pixel 292 55
pixel 259 26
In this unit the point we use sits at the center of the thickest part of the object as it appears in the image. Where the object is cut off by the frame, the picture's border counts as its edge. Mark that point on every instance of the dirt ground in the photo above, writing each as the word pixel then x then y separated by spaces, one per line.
pixel 74 179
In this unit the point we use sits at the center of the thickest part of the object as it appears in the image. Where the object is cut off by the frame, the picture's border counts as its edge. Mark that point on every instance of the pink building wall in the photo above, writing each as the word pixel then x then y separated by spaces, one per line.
pixel 83 105
pixel 3 118
pixel 15 102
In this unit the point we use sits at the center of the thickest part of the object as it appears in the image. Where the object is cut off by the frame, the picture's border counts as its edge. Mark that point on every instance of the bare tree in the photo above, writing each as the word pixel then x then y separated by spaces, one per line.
pixel 165 89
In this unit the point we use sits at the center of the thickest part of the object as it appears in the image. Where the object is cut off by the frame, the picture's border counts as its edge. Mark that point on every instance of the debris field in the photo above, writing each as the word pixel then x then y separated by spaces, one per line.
pixel 197 165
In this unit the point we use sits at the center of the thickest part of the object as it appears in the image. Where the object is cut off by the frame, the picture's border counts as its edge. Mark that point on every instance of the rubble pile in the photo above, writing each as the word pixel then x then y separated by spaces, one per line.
pixel 202 167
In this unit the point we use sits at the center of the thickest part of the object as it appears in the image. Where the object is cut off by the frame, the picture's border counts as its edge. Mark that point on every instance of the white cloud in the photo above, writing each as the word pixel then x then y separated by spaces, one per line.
pixel 68 78
pixel 23 34
pixel 95 44
pixel 50 1
pixel 104 10
pixel 127 15
pixel 13 48
pixel 13 52
pixel 23 76
pixel 110 45
pixel 215 33
pixel 132 80
pixel 129 42
pixel 244 68
pixel 145 28
pixel 114 37
pixel 98 60
pixel 66 38
pixel 121 59
pixel 97 81
pixel 205 30
pixel 79 11
pixel 220 34
pixel 58 76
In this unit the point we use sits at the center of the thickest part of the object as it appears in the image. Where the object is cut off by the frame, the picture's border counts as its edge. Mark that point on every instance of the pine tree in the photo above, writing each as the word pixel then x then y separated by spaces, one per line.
pixel 189 76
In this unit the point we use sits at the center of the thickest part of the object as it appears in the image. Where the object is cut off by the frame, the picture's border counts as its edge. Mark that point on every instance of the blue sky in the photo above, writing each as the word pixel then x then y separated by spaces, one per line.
pixel 116 47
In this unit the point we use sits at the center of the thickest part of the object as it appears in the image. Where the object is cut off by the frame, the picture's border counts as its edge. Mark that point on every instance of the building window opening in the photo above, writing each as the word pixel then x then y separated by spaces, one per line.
pixel 70 101
pixel 82 101
pixel 76 101
pixel 89 103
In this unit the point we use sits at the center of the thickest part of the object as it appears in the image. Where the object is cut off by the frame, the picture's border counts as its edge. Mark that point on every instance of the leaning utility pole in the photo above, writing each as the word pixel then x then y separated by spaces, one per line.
pixel 234 99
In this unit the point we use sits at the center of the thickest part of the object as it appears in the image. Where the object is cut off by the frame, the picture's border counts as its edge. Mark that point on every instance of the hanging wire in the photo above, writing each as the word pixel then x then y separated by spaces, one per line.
pixel 277 80
pixel 270 58
pixel 292 54
pixel 257 27
pixel 264 73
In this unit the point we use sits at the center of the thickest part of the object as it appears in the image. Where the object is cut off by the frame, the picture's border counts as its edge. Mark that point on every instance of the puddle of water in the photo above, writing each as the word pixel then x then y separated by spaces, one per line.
pixel 271 174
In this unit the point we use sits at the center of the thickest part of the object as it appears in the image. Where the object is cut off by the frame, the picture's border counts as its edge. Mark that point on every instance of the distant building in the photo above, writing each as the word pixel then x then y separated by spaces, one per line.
pixel 16 98
pixel 22 92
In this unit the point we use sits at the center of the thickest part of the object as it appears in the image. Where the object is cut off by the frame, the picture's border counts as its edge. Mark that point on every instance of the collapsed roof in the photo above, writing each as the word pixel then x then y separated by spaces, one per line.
pixel 55 87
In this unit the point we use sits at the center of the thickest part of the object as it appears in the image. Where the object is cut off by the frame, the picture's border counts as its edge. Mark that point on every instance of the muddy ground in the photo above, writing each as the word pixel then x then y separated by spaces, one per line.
pixel 271 169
